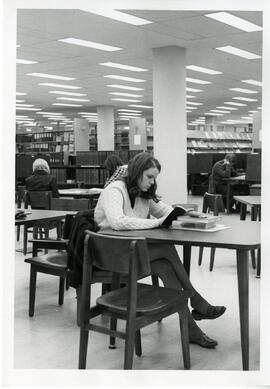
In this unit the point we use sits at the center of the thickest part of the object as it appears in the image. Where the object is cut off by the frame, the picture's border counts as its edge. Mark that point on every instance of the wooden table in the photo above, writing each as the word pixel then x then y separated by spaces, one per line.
pixel 241 236
pixel 40 215
pixel 80 193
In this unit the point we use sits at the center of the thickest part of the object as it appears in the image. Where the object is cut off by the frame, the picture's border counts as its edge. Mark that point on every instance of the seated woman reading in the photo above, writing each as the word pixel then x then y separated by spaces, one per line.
pixel 125 205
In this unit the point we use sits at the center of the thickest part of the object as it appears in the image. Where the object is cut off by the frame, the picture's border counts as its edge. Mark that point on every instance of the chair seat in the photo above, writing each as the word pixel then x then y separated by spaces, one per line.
pixel 56 260
pixel 150 299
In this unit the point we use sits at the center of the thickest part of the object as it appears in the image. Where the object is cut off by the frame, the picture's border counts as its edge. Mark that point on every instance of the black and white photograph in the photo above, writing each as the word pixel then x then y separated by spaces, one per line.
pixel 134 159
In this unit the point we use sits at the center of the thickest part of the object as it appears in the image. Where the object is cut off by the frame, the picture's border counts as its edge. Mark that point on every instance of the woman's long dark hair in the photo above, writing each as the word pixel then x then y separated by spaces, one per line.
pixel 136 166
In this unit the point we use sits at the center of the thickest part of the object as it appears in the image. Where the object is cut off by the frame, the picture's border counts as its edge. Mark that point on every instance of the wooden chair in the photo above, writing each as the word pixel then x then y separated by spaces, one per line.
pixel 21 190
pixel 211 203
pixel 138 304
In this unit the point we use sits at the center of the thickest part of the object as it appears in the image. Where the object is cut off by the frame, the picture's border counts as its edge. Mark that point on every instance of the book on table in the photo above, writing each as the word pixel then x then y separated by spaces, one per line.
pixel 196 223
pixel 180 211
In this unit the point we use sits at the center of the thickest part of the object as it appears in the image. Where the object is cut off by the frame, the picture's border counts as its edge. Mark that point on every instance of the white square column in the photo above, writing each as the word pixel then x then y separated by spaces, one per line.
pixel 170 127
pixel 105 128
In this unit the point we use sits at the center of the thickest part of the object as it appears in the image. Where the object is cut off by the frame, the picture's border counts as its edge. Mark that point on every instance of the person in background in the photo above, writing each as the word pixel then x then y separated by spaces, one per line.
pixel 125 204
pixel 41 179
pixel 223 169
pixel 115 168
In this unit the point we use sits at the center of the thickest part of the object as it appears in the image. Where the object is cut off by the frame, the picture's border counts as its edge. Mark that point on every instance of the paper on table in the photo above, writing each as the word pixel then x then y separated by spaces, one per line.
pixel 218 227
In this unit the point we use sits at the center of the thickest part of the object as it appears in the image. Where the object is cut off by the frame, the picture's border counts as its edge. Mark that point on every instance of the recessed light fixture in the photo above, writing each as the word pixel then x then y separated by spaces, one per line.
pixel 202 70
pixel 58 92
pixel 248 91
pixel 140 106
pixel 92 45
pixel 71 99
pixel 246 117
pixel 27 109
pixel 219 111
pixel 129 114
pixel 122 99
pixel 233 103
pixel 196 81
pixel 235 21
pixel 127 110
pixel 190 97
pixel 253 111
pixel 48 113
pixel 68 105
pixel 87 113
pixel 131 79
pixel 117 15
pixel 124 67
pixel 229 108
pixel 25 61
pixel 188 111
pixel 53 76
pixel 193 103
pixel 124 87
pixel 20 94
pixel 60 85
pixel 20 101
pixel 213 114
pixel 193 90
pixel 253 82
pixel 124 94
pixel 24 105
pixel 244 99
pixel 259 107
pixel 238 52
pixel 191 107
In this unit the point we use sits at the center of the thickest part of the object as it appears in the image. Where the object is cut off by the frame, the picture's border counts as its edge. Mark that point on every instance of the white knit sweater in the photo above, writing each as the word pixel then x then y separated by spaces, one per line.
pixel 113 210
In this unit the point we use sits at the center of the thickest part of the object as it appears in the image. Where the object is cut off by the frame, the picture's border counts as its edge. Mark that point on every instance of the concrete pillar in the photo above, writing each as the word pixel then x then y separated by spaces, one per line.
pixel 257 128
pixel 105 128
pixel 81 134
pixel 137 134
pixel 170 127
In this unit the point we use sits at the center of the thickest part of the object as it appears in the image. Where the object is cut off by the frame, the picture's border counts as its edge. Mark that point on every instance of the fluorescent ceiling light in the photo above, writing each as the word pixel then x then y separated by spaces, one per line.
pixel 247 117
pixel 140 106
pixel 191 107
pixel 219 111
pixel 188 111
pixel 58 92
pixel 26 116
pixel 124 87
pixel 18 45
pixel 128 110
pixel 235 21
pixel 248 91
pixel 53 76
pixel 20 101
pixel 92 45
pixel 193 103
pixel 125 94
pixel 124 67
pixel 233 103
pixel 253 111
pixel 202 70
pixel 20 93
pixel 196 81
pixel 87 113
pixel 230 108
pixel 253 82
pixel 71 99
pixel 193 90
pixel 60 85
pixel 48 113
pixel 67 105
pixel 131 79
pixel 244 99
pixel 27 109
pixel 24 105
pixel 117 15
pixel 259 107
pixel 213 114
pixel 129 114
pixel 25 61
pixel 190 97
pixel 238 52
pixel 133 101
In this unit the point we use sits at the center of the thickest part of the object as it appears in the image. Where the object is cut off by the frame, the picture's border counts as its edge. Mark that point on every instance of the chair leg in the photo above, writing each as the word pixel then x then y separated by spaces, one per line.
pixel 184 339
pixel 61 290
pixel 78 298
pixel 155 281
pixel 32 290
pixel 67 283
pixel 18 233
pixel 138 343
pixel 200 256
pixel 212 258
pixel 24 240
pixel 113 326
pixel 258 273
pixel 129 346
pixel 253 259
pixel 83 347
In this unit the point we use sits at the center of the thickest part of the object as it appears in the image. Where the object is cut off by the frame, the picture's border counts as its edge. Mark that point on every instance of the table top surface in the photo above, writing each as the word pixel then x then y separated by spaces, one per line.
pixel 80 191
pixel 240 235
pixel 42 215
pixel 250 200
pixel 236 178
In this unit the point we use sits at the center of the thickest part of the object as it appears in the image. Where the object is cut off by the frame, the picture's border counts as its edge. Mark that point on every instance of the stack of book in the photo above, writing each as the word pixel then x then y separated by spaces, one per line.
pixel 200 223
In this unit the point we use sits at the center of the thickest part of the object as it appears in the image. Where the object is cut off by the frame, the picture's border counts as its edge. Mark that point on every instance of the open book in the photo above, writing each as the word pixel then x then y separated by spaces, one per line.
pixel 179 211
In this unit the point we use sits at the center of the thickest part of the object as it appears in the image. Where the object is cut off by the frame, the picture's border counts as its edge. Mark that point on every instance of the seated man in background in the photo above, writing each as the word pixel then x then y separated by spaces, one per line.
pixel 225 169
pixel 41 179
pixel 115 168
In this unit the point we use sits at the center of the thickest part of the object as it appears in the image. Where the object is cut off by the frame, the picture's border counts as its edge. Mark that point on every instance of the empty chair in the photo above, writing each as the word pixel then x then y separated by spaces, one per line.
pixel 63 204
pixel 211 203
pixel 21 190
pixel 137 303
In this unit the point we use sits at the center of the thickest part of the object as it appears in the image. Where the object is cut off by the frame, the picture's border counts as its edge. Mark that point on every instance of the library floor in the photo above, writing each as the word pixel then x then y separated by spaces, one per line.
pixel 50 340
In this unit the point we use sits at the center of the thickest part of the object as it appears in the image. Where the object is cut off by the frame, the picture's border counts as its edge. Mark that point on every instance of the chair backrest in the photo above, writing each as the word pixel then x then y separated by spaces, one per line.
pixel 64 204
pixel 38 199
pixel 116 253
pixel 213 203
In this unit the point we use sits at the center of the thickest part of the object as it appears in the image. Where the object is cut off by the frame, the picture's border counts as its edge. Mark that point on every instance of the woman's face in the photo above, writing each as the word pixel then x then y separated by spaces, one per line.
pixel 148 178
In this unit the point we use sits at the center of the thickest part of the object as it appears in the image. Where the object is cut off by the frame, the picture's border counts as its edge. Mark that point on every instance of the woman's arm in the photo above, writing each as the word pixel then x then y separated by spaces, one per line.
pixel 159 209
pixel 113 206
